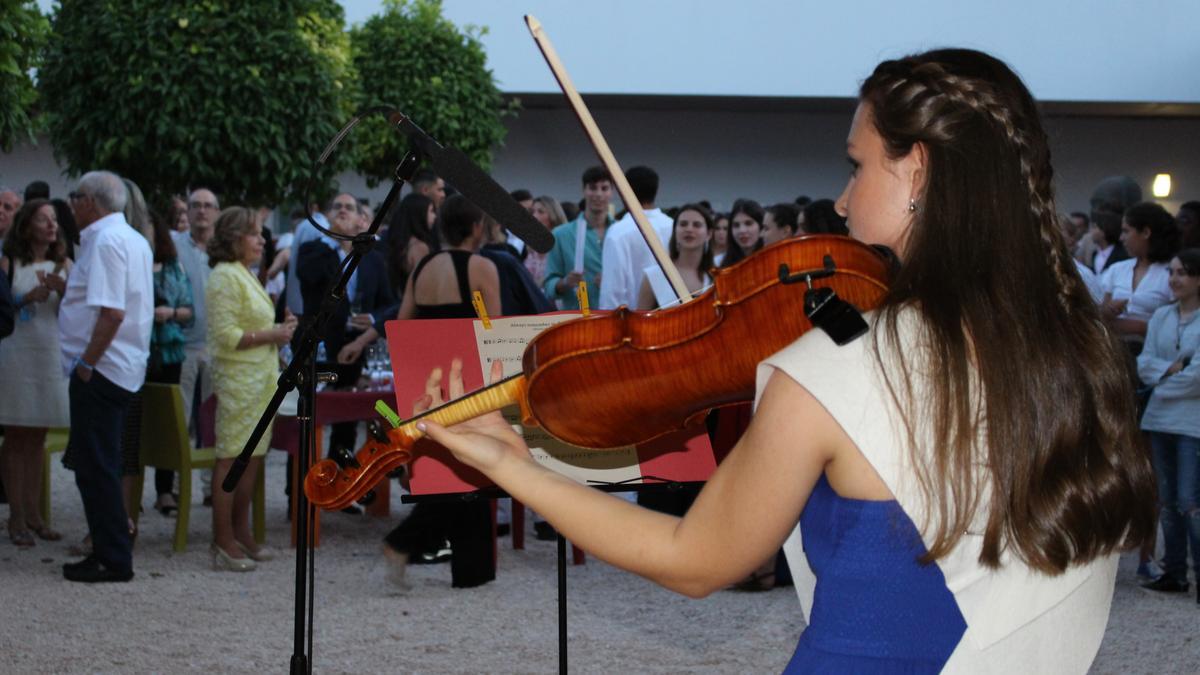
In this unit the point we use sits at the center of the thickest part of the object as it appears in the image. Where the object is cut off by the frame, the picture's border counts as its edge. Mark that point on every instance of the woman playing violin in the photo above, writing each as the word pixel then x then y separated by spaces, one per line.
pixel 965 474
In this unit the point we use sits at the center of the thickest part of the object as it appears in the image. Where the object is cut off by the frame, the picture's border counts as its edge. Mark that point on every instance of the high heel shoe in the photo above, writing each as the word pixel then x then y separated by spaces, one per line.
pixel 223 561
pixel 263 554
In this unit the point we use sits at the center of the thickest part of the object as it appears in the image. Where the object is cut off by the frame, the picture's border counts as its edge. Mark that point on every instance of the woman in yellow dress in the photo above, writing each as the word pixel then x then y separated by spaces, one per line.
pixel 243 340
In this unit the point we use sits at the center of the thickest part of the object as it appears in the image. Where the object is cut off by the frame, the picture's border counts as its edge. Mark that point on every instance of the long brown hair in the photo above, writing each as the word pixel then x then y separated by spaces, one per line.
pixel 706 258
pixel 18 245
pixel 164 246
pixel 1029 423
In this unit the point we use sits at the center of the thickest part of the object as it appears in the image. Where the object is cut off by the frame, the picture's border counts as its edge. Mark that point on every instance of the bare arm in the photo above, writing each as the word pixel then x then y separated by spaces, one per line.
pixel 741 517
pixel 417 250
pixel 350 351
pixel 280 263
pixel 485 278
pixel 408 304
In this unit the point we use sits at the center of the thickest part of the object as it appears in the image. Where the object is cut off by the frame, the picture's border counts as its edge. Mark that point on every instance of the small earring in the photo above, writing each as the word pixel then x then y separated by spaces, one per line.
pixel 912 205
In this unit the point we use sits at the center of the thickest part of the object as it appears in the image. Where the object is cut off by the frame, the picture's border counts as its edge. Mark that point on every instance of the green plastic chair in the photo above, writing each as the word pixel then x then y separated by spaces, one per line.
pixel 165 445
pixel 56 441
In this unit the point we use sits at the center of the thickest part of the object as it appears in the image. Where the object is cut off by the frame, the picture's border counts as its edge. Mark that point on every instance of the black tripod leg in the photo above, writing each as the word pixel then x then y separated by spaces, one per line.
pixel 562 605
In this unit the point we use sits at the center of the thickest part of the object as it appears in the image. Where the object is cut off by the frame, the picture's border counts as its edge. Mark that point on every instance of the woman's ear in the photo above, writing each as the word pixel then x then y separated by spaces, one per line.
pixel 915 166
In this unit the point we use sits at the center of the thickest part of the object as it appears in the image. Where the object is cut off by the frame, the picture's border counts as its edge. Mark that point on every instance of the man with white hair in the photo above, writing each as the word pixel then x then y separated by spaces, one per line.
pixel 10 202
pixel 104 325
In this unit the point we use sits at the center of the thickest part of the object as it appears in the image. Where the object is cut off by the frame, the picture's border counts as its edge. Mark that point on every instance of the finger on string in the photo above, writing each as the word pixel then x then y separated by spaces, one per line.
pixel 433 386
pixel 422 403
pixel 456 379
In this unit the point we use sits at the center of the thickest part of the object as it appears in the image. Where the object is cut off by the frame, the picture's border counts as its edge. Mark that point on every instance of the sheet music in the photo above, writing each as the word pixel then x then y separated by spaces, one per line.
pixel 506 342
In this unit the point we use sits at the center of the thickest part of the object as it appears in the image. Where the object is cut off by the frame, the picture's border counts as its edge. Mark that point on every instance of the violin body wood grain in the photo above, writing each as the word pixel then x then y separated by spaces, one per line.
pixel 628 377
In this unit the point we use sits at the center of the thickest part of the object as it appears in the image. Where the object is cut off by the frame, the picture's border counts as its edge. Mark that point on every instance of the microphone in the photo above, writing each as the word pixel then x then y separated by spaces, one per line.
pixel 458 170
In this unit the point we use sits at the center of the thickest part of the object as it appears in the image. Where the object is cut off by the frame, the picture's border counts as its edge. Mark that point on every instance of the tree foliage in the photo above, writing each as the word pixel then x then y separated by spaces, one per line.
pixel 23 31
pixel 238 96
pixel 412 57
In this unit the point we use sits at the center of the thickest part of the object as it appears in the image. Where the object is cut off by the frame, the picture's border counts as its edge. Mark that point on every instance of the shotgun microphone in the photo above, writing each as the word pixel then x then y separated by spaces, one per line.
pixel 474 184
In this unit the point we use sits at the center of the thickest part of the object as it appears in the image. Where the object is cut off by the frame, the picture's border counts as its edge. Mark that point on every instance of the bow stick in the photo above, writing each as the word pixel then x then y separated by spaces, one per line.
pixel 606 157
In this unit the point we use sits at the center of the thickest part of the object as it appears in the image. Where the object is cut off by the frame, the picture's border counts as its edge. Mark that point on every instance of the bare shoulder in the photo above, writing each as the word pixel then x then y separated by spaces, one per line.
pixel 481 265
pixel 417 250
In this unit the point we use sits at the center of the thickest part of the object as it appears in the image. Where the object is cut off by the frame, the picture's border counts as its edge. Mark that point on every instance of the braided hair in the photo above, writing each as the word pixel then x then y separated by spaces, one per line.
pixel 1029 429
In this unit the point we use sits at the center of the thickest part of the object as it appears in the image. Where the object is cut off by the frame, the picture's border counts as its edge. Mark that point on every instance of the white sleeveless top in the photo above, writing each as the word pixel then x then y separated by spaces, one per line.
pixel 33 391
pixel 1018 620
pixel 664 292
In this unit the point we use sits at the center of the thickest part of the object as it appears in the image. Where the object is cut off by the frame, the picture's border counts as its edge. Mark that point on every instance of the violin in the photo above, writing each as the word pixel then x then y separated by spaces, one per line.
pixel 623 378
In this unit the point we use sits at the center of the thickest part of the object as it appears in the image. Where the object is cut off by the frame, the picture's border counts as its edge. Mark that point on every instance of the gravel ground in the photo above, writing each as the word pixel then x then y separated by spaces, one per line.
pixel 178 615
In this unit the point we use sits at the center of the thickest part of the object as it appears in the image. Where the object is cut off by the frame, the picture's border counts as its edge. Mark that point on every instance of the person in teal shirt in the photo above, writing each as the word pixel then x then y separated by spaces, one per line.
pixel 561 279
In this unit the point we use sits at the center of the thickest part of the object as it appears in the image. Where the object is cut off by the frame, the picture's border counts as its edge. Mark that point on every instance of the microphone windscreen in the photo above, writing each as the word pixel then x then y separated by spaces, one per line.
pixel 457 169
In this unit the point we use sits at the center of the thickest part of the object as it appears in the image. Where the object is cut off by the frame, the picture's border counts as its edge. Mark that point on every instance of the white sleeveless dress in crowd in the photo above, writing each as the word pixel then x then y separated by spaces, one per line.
pixel 33 390
pixel 664 293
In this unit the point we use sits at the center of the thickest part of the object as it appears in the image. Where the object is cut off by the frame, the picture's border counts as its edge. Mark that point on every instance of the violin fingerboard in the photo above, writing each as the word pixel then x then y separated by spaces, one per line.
pixel 498 396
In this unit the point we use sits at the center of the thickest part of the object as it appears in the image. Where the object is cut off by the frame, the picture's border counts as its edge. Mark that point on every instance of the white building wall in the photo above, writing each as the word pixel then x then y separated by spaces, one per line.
pixel 768 156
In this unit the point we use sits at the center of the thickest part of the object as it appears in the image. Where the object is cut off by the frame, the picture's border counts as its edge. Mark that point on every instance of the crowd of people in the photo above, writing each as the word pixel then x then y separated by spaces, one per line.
pixel 104 294
pixel 258 285
pixel 204 297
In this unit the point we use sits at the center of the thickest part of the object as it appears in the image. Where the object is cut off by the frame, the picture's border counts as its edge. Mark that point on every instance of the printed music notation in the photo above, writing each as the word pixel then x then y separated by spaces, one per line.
pixel 416 346
pixel 505 342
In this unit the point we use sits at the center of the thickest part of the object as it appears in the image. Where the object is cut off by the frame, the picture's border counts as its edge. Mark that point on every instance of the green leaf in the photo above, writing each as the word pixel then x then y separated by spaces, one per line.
pixel 412 57
pixel 199 92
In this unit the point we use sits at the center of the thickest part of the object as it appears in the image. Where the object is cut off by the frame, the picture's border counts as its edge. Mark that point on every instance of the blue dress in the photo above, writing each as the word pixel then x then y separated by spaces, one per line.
pixel 875 608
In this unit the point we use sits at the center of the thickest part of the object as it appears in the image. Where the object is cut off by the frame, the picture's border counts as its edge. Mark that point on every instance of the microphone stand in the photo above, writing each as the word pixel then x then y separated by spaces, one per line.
pixel 476 186
pixel 302 371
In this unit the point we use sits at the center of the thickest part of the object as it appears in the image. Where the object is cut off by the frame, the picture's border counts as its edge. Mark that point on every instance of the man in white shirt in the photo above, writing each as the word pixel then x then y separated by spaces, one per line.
pixel 626 254
pixel 104 325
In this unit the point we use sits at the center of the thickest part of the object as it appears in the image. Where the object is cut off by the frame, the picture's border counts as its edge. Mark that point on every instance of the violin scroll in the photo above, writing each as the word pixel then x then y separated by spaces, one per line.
pixel 332 487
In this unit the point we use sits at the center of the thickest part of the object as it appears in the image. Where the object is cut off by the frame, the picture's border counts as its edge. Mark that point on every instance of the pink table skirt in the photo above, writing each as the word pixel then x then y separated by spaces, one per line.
pixel 332 407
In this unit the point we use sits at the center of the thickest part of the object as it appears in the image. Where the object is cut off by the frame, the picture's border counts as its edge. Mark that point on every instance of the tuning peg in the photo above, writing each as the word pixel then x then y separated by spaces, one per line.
pixel 345 458
pixel 375 429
